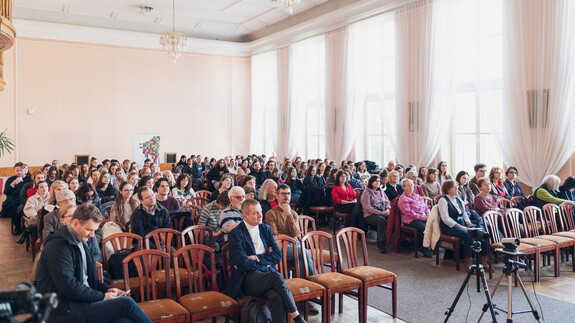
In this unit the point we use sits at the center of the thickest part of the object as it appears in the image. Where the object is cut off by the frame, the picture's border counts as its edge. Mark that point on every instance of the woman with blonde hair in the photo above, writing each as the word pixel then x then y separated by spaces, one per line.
pixel 167 174
pixel 498 183
pixel 392 188
pixel 55 188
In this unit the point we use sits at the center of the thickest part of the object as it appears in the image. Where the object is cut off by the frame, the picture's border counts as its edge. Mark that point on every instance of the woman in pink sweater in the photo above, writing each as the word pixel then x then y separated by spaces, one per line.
pixel 414 212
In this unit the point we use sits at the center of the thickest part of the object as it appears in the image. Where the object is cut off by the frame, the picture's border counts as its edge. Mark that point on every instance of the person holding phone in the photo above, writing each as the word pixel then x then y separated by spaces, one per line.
pixel 67 268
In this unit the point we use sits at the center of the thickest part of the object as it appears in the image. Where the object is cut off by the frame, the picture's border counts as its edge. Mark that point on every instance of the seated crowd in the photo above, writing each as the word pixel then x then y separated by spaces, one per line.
pixel 66 202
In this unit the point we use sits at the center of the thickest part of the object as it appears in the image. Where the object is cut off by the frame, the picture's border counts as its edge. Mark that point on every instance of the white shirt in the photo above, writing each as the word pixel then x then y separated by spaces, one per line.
pixel 444 211
pixel 254 232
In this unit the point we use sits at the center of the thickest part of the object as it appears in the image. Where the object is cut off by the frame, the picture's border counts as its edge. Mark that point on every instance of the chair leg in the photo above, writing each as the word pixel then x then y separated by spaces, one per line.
pixel 456 252
pixel 394 298
pixel 325 311
pixel 557 262
pixel 436 251
pixel 416 243
pixel 363 305
pixel 340 305
pixel 332 304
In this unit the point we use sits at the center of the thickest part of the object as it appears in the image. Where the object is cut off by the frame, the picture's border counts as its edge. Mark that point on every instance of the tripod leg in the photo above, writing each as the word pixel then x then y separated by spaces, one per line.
pixel 461 289
pixel 510 298
pixel 486 306
pixel 488 296
pixel 533 309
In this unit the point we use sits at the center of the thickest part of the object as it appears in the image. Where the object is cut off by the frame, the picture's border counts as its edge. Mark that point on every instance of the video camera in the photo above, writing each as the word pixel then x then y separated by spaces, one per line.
pixel 23 299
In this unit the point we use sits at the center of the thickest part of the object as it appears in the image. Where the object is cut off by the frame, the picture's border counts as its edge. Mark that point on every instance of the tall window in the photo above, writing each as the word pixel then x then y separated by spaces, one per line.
pixel 264 103
pixel 372 67
pixel 307 96
pixel 478 83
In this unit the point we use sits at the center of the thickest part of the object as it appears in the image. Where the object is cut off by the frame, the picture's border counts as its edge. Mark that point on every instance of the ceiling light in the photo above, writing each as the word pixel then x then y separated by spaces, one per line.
pixel 174 42
pixel 287 4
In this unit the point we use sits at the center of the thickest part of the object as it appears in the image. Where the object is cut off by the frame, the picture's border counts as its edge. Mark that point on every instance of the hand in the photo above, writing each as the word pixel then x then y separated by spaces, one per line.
pixel 470 225
pixel 110 295
pixel 115 290
pixel 254 257
pixel 232 226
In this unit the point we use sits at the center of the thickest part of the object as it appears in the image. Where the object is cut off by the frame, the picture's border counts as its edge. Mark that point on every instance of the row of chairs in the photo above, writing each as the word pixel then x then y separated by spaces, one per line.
pixel 549 232
pixel 154 271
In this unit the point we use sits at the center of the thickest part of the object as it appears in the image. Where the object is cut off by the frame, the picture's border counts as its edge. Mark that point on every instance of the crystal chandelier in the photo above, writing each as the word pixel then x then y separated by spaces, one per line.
pixel 287 3
pixel 174 42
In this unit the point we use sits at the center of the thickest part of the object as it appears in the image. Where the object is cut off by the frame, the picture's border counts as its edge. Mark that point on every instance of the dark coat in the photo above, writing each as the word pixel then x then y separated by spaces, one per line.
pixel 241 246
pixel 13 193
pixel 60 272
pixel 142 223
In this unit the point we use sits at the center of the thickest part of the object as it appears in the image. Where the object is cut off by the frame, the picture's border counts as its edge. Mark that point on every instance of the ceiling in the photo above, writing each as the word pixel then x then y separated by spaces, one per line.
pixel 228 20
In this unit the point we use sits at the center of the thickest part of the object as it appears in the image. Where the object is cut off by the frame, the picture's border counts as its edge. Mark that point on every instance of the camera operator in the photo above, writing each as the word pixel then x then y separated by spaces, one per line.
pixel 455 220
pixel 68 269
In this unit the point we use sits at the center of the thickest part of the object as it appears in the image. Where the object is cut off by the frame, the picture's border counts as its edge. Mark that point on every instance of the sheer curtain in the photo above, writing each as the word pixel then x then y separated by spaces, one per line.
pixel 424 79
pixel 263 137
pixel 539 86
pixel 340 105
pixel 284 77
pixel 307 93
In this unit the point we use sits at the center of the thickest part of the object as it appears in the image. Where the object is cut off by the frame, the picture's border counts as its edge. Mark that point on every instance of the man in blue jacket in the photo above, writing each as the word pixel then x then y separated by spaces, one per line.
pixel 68 269
pixel 12 189
pixel 254 255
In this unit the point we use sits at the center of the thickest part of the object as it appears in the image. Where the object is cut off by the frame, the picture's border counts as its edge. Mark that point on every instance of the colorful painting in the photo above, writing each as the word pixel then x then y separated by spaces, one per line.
pixel 146 146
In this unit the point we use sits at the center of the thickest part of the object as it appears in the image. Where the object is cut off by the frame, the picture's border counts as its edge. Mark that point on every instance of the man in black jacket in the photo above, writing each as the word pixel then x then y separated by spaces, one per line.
pixel 67 268
pixel 12 190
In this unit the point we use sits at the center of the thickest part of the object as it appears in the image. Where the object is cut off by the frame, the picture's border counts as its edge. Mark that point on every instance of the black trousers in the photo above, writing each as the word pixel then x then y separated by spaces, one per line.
pixel 272 286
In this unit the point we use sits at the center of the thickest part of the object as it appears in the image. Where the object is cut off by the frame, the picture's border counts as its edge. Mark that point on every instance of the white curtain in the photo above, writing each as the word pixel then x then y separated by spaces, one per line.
pixel 282 137
pixel 539 65
pixel 340 103
pixel 307 91
pixel 424 79
pixel 264 102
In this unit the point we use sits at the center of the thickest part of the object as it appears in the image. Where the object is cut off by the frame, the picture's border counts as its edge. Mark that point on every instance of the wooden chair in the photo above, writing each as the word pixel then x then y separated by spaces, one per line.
pixel 301 289
pixel 304 222
pixel 452 243
pixel 491 221
pixel 319 210
pixel 204 193
pixel 199 201
pixel 507 203
pixel 566 223
pixel 158 310
pixel 119 241
pixel 341 218
pixel 166 240
pixel 347 240
pixel 429 202
pixel 551 214
pixel 200 301
pixel 197 234
pixel 512 222
pixel 335 283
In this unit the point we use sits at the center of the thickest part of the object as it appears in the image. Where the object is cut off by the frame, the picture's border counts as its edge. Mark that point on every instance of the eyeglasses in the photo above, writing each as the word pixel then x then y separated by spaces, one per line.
pixel 285 193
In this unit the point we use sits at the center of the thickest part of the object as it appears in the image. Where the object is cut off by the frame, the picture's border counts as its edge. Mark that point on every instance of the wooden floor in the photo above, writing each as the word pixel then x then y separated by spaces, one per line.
pixel 16 265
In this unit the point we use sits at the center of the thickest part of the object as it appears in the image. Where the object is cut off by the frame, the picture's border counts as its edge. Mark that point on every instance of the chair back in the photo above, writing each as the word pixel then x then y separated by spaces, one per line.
pixel 199 201
pixel 566 221
pixel 163 239
pixel 119 241
pixel 491 223
pixel 204 193
pixel 198 234
pixel 550 213
pixel 225 263
pixel 191 258
pixel 348 239
pixel 506 203
pixel 316 242
pixel 180 219
pixel 146 261
pixel 512 222
pixel 428 201
pixel 284 243
pixel 304 222
pixel 531 220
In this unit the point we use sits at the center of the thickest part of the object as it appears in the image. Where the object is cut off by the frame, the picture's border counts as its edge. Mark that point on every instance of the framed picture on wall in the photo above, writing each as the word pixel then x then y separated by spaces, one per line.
pixel 170 158
pixel 82 159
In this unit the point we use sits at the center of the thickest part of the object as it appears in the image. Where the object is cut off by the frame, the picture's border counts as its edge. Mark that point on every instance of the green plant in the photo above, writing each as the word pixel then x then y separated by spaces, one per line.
pixel 6 144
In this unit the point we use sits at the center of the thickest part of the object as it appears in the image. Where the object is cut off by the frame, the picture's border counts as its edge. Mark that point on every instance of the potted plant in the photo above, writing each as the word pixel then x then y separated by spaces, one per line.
pixel 6 144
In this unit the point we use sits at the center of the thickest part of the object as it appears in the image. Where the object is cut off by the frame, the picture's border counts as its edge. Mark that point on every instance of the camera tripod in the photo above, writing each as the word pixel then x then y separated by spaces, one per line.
pixel 479 271
pixel 510 271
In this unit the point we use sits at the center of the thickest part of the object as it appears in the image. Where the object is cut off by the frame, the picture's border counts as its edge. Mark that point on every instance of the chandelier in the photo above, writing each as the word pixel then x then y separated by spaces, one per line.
pixel 174 42
pixel 287 3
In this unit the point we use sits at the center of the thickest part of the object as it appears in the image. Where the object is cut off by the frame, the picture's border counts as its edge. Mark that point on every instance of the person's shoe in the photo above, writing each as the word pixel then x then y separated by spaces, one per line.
pixel 311 309
pixel 381 247
pixel 22 238
pixel 426 252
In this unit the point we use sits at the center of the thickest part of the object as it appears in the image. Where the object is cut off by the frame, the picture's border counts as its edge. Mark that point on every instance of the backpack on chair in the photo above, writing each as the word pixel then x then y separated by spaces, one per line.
pixel 255 312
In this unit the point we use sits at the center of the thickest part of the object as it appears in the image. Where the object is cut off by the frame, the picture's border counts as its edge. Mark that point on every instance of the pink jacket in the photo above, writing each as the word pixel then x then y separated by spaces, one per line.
pixel 412 208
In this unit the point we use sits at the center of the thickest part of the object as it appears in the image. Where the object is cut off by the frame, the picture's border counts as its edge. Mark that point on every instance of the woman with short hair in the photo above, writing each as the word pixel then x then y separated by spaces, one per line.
pixel 485 201
pixel 342 194
pixel 392 188
pixel 431 187
pixel 414 212
pixel 548 192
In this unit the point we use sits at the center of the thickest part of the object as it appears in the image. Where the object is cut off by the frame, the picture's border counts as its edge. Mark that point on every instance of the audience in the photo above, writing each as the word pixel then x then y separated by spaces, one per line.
pixel 392 188
pixel 480 170
pixel 464 192
pixel 431 187
pixel 485 201
pixel 343 195
pixel 442 174
pixel 121 211
pixel 513 187
pixel 497 183
pixel 149 216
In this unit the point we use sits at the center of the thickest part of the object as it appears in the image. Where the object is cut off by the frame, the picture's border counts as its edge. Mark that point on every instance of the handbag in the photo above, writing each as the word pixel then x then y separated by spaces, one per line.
pixel 115 267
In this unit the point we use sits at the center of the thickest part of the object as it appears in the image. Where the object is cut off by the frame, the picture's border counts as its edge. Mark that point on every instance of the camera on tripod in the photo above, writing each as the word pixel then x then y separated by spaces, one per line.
pixel 23 299
pixel 477 234
pixel 509 250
